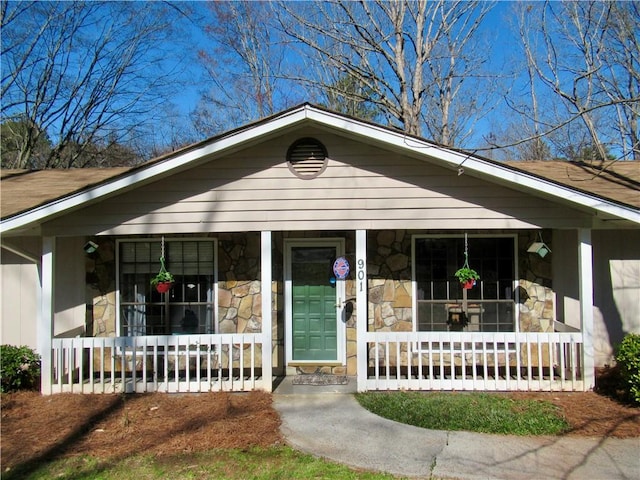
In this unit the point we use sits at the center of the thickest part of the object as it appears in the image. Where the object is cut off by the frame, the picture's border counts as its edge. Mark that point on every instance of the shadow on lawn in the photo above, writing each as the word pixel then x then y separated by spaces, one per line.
pixel 109 428
pixel 61 447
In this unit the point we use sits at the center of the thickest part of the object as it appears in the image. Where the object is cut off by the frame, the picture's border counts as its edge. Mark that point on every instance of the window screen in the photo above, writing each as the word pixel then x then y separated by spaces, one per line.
pixel 489 306
pixel 187 308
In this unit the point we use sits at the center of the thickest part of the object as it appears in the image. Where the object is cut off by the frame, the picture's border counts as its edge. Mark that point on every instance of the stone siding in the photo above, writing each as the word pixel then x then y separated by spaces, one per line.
pixel 389 283
pixel 100 289
pixel 537 299
pixel 239 286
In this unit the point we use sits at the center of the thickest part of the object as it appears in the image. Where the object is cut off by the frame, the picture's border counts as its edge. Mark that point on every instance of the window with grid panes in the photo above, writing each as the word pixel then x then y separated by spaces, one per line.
pixel 187 308
pixel 490 304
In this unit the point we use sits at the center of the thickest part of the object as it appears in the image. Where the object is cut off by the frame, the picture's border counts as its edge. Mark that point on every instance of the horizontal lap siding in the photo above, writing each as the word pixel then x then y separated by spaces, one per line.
pixel 362 187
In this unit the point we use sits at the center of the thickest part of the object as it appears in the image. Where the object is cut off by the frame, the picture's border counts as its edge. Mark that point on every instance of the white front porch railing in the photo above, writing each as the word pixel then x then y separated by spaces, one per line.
pixel 474 361
pixel 178 363
pixel 396 361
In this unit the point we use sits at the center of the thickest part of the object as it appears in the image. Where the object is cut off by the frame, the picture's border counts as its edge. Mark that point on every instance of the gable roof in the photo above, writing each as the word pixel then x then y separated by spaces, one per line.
pixel 23 190
pixel 614 194
pixel 618 182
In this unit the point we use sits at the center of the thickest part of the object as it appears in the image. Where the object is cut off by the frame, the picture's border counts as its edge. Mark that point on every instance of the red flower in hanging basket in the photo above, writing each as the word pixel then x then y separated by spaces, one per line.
pixel 164 287
pixel 163 280
pixel 467 277
pixel 469 284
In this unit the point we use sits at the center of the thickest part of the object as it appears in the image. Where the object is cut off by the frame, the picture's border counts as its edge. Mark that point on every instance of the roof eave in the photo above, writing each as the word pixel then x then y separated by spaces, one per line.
pixel 204 151
pixel 154 170
pixel 467 163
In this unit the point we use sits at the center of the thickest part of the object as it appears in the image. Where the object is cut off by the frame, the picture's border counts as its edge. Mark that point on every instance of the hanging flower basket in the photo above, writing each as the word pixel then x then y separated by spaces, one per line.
pixel 163 281
pixel 469 284
pixel 163 287
pixel 467 276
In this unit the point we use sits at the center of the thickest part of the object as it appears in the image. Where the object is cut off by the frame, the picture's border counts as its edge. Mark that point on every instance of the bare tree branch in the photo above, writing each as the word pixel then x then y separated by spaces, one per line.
pixel 582 56
pixel 412 57
pixel 80 73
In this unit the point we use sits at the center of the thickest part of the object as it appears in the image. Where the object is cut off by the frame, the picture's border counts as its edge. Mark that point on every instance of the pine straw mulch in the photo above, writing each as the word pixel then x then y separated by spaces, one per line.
pixel 36 428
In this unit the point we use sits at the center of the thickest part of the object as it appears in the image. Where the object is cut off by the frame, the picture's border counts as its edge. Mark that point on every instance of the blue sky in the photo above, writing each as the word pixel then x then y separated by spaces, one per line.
pixel 172 121
pixel 494 27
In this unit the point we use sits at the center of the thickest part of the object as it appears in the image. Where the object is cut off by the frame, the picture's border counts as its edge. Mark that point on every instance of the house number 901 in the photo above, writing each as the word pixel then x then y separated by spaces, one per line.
pixel 361 274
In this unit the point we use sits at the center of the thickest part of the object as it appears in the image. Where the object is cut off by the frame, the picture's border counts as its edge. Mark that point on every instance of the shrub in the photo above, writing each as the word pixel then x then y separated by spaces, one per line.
pixel 628 359
pixel 19 368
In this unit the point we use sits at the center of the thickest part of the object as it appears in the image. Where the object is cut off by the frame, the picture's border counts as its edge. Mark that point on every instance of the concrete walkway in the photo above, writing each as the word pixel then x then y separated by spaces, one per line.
pixel 328 422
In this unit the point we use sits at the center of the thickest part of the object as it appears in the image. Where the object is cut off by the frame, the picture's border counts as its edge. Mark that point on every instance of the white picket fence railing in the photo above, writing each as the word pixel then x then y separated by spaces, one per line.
pixel 473 361
pixel 174 363
pixel 395 361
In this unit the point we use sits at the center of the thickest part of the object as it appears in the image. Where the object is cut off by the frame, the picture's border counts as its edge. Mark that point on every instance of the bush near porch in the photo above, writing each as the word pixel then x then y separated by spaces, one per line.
pixel 628 360
pixel 19 368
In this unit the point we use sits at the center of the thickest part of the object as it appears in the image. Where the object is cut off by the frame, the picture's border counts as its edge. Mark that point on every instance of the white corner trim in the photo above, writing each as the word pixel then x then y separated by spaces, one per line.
pixel 44 323
pixel 266 278
pixel 585 288
pixel 362 309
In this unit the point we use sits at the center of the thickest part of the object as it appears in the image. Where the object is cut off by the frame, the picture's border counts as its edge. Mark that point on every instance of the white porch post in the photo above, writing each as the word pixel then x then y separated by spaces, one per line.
pixel 45 320
pixel 362 309
pixel 267 325
pixel 585 286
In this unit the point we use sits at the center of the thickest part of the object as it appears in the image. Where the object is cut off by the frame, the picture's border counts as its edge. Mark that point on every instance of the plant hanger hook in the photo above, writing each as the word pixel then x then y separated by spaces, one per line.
pixel 466 251
pixel 162 266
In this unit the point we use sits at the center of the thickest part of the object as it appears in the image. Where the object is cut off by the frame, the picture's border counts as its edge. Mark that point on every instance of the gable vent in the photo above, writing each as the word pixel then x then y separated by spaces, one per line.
pixel 307 158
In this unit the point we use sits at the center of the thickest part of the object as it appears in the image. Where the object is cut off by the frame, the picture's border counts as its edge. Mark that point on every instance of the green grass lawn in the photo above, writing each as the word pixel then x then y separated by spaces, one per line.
pixel 255 464
pixel 474 412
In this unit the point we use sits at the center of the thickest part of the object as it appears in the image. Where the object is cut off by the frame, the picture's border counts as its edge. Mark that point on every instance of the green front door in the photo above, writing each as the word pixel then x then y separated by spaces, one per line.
pixel 313 304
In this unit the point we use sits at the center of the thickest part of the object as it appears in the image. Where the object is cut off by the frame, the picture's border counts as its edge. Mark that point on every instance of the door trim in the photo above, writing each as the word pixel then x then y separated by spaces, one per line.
pixel 338 243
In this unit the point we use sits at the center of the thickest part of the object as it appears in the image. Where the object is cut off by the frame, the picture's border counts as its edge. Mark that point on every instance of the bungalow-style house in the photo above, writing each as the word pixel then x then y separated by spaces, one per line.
pixel 314 243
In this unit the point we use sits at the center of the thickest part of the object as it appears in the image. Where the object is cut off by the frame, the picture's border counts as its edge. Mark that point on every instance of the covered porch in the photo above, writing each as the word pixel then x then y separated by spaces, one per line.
pixel 373 351
pixel 259 215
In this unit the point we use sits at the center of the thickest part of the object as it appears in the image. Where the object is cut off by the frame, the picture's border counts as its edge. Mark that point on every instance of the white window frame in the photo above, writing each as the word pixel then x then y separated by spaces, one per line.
pixel 168 240
pixel 516 275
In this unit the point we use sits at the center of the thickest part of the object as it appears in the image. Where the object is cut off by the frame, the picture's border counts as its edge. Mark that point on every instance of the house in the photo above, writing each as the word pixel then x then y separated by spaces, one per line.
pixel 311 242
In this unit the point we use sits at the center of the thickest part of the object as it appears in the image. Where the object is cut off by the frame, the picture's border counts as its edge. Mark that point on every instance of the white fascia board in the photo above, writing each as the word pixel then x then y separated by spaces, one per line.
pixel 471 164
pixel 399 140
pixel 154 171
